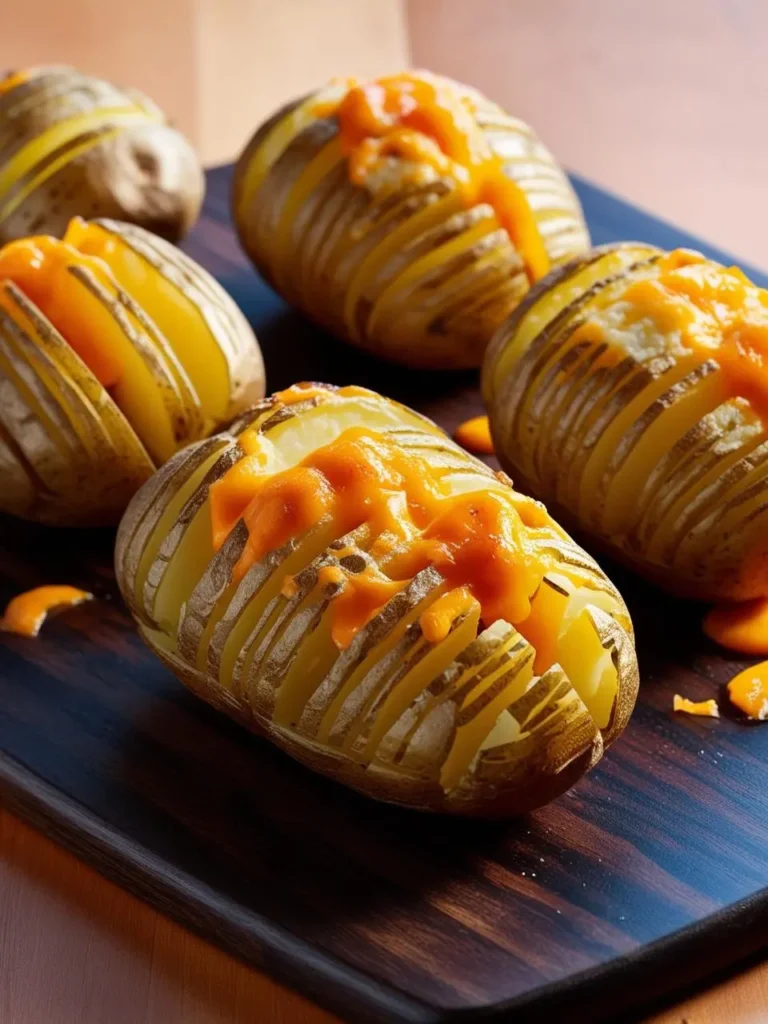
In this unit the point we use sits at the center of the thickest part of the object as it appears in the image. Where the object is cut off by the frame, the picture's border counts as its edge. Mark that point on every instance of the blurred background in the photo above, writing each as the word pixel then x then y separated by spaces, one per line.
pixel 662 101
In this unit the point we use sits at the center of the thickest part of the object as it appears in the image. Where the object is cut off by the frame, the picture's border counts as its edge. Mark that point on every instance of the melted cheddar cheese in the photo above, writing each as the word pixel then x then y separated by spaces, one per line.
pixel 13 79
pixel 40 268
pixel 740 627
pixel 27 612
pixel 700 708
pixel 475 436
pixel 478 541
pixel 749 691
pixel 428 123
pixel 697 310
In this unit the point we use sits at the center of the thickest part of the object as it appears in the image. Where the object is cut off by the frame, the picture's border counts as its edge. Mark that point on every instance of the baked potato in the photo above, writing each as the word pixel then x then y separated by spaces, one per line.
pixel 409 215
pixel 116 350
pixel 629 391
pixel 339 576
pixel 74 145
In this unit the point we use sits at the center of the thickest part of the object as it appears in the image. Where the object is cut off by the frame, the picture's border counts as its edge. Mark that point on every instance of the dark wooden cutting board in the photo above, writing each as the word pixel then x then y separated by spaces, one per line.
pixel 659 857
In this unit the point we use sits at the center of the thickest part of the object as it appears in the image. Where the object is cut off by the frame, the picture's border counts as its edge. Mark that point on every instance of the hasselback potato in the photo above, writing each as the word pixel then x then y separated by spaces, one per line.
pixel 408 215
pixel 74 145
pixel 630 392
pixel 338 575
pixel 115 351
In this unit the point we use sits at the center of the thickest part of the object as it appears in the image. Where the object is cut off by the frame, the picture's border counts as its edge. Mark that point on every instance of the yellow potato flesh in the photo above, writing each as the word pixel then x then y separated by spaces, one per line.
pixel 287 444
pixel 470 736
pixel 552 302
pixel 305 184
pixel 396 241
pixel 430 665
pixel 312 662
pixel 166 521
pixel 253 615
pixel 179 319
pixel 77 313
pixel 376 654
pixel 624 498
pixel 39 439
pixel 278 140
pixel 91 127
pixel 88 429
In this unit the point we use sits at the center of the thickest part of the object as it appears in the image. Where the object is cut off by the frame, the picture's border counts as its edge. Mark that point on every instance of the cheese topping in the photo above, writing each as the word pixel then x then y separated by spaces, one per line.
pixel 694 309
pixel 475 436
pixel 749 691
pixel 27 612
pixel 40 268
pixel 478 541
pixel 740 627
pixel 701 708
pixel 13 79
pixel 426 121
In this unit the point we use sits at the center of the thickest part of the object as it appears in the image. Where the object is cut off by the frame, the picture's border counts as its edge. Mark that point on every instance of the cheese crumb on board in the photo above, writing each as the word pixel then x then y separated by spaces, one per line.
pixel 702 708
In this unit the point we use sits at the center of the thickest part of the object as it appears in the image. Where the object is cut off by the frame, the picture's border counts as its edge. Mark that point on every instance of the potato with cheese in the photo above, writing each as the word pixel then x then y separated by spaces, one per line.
pixel 409 215
pixel 338 575
pixel 630 392
pixel 116 350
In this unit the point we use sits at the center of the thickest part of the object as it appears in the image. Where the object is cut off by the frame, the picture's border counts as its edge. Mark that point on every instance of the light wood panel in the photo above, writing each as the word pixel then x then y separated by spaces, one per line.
pixel 663 102
pixel 75 949
pixel 254 55
pixel 217 67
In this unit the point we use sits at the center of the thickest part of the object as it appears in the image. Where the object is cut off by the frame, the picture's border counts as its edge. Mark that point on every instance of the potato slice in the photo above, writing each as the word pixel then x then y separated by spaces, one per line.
pixel 202 325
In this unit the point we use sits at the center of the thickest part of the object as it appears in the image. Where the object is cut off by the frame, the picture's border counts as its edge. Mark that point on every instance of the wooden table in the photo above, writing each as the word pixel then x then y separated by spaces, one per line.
pixel 75 949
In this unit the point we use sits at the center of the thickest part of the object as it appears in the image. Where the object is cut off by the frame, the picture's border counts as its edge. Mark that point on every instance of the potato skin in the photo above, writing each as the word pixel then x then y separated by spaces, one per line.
pixel 144 171
pixel 331 260
pixel 683 529
pixel 560 739
pixel 69 455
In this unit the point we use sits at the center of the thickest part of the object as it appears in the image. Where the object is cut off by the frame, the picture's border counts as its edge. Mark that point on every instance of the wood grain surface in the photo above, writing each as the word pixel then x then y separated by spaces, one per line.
pixel 109 959
pixel 77 949
pixel 660 853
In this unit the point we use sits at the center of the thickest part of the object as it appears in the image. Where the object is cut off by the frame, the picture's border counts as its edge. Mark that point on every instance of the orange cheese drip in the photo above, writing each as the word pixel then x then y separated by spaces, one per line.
pixel 437 620
pixel 12 80
pixel 749 691
pixel 477 541
pixel 426 121
pixel 475 436
pixel 39 267
pixel 719 314
pixel 27 612
pixel 700 708
pixel 361 596
pixel 740 627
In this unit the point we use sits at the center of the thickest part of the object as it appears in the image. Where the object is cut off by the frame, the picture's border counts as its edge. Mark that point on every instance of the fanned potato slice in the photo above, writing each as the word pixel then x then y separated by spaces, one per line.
pixel 200 322
pixel 141 527
pixel 350 633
